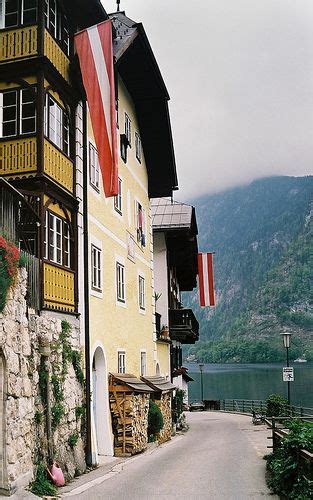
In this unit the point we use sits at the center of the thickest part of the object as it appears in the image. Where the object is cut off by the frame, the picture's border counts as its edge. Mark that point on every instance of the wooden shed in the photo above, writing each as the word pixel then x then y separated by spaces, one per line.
pixel 129 405
pixel 162 396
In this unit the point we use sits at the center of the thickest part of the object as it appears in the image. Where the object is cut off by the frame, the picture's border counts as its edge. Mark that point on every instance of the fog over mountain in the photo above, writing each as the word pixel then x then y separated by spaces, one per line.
pixel 240 76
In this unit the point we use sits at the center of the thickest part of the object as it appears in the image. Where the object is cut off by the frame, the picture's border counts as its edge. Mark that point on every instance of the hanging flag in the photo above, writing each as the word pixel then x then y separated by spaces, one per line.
pixel 95 54
pixel 206 283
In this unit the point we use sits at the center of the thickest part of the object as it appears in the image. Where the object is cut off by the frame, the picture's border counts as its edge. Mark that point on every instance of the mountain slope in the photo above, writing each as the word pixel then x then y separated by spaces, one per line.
pixel 262 236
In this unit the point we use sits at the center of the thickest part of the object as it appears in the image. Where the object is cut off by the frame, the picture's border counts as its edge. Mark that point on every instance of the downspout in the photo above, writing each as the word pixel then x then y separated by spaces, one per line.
pixel 88 451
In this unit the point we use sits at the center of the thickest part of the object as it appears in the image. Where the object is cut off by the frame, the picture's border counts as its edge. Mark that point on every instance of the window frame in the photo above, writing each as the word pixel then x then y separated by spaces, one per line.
pixel 62 126
pixel 61 26
pixel 141 292
pixel 20 14
pixel 18 105
pixel 120 282
pixel 51 248
pixel 121 361
pixel 143 363
pixel 118 201
pixel 96 268
pixel 138 147
pixel 93 154
pixel 128 129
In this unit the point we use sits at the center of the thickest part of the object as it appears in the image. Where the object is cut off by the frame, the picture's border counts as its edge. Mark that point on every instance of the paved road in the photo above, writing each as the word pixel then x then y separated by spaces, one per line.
pixel 220 457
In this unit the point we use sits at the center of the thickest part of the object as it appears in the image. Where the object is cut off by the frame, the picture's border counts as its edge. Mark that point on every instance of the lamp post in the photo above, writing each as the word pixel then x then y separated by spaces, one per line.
pixel 286 339
pixel 201 365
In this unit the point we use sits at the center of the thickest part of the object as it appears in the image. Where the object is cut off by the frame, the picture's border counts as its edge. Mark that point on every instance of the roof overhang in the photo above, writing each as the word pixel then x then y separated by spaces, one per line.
pixel 159 384
pixel 85 13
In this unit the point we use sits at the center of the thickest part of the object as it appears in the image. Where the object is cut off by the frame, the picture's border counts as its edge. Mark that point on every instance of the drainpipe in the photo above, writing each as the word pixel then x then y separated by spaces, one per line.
pixel 86 286
pixel 45 354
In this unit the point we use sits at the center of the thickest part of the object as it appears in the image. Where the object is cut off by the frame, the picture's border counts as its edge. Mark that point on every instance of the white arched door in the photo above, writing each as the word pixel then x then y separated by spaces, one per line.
pixel 100 404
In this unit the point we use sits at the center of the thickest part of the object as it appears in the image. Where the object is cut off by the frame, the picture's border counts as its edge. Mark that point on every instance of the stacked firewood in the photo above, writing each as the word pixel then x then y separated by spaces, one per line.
pixel 130 422
pixel 165 405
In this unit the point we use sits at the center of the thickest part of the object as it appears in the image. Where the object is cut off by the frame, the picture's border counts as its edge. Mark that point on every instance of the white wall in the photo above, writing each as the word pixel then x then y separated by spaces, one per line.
pixel 160 276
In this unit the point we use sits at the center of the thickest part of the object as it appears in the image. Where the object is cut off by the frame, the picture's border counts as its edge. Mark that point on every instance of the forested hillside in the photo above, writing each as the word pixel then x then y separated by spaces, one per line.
pixel 262 236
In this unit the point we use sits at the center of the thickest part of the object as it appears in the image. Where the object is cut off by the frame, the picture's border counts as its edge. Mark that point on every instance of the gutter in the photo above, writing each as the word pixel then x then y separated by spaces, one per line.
pixel 88 450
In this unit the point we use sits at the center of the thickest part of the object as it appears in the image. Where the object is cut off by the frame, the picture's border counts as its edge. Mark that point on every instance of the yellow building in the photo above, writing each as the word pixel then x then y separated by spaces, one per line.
pixel 121 287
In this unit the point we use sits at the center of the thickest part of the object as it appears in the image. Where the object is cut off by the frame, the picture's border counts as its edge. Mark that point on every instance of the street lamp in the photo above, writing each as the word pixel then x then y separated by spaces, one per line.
pixel 201 365
pixel 286 339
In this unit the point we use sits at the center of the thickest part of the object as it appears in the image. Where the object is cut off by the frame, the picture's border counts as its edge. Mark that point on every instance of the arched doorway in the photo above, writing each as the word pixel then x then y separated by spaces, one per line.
pixel 157 369
pixel 100 405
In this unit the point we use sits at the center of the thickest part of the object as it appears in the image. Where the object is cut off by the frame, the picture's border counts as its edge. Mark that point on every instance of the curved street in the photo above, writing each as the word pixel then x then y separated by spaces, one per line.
pixel 220 457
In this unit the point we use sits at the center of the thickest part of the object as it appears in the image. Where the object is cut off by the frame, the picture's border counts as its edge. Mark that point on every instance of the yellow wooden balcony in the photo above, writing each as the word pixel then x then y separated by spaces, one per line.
pixel 21 43
pixel 18 157
pixel 58 166
pixel 56 55
pixel 18 43
pixel 58 286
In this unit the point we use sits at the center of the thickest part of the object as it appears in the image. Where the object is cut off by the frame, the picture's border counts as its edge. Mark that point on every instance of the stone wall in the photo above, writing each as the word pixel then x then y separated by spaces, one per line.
pixel 24 413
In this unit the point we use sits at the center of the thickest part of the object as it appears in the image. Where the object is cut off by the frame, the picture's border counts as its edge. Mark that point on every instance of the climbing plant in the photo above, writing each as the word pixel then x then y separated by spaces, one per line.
pixel 9 262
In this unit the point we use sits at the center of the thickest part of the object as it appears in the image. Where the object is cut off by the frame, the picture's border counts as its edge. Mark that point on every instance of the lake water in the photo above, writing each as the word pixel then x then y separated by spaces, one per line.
pixel 251 381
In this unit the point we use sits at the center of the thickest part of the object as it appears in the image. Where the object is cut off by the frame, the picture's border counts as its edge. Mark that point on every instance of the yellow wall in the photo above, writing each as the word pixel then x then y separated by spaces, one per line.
pixel 112 325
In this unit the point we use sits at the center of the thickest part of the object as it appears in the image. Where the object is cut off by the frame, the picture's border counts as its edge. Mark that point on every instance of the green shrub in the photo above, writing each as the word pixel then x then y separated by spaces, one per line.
pixel 42 486
pixel 276 406
pixel 58 412
pixel 80 411
pixel 155 419
pixel 72 440
pixel 288 475
pixel 38 417
pixel 178 403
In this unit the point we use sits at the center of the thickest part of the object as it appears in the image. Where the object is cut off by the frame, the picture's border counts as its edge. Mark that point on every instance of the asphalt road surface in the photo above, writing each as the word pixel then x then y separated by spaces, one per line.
pixel 220 457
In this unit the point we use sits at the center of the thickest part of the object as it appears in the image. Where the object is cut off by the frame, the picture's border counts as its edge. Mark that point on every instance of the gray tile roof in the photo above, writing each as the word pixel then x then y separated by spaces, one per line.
pixel 170 215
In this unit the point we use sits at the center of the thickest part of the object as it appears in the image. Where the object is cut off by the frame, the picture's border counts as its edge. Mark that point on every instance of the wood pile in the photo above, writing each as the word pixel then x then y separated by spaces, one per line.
pixel 165 405
pixel 129 412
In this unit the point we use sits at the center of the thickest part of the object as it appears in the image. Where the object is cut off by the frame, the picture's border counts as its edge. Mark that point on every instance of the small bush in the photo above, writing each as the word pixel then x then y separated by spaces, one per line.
pixel 42 486
pixel 276 406
pixel 57 411
pixel 80 411
pixel 38 417
pixel 72 440
pixel 287 473
pixel 155 419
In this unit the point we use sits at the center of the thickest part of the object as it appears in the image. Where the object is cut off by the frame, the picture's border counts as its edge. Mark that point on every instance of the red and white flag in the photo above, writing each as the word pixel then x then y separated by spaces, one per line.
pixel 206 281
pixel 95 54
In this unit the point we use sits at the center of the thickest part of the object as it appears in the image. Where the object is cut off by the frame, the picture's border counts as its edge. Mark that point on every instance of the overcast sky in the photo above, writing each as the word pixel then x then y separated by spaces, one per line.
pixel 240 77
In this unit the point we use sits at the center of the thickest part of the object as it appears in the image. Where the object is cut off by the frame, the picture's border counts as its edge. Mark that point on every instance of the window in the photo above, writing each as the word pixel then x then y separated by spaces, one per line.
pixel 57 241
pixel 143 363
pixel 17 112
pixel 140 224
pixel 17 12
pixel 96 268
pixel 123 147
pixel 121 362
pixel 128 131
pixel 141 289
pixel 138 147
pixel 57 125
pixel 57 24
pixel 120 282
pixel 93 166
pixel 118 198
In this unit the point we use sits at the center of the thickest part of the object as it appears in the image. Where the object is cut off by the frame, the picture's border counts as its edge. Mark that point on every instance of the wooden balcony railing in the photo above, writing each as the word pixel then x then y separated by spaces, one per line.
pixel 58 285
pixel 56 55
pixel 18 43
pixel 21 43
pixel 184 326
pixel 58 166
pixel 18 156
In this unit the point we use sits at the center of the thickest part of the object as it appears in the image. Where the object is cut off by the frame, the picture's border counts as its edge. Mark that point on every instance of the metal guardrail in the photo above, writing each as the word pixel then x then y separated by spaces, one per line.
pixel 260 406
